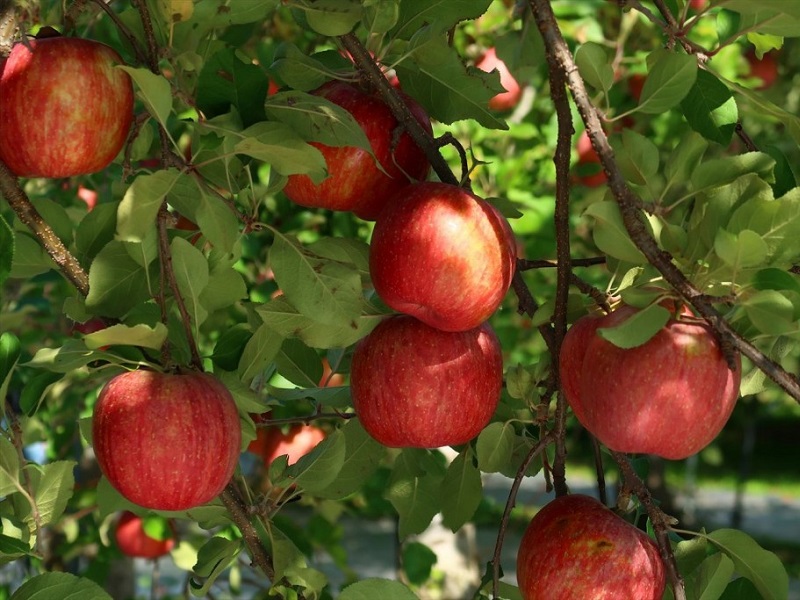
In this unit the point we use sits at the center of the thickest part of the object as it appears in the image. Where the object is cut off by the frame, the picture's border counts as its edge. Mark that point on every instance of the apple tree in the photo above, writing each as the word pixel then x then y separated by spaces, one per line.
pixel 328 260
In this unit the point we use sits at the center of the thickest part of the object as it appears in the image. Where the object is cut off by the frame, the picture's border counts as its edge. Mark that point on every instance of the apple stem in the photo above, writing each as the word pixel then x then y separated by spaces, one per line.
pixel 632 483
pixel 632 217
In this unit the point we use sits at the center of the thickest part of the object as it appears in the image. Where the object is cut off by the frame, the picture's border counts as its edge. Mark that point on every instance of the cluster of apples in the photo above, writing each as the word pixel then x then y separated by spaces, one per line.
pixel 439 255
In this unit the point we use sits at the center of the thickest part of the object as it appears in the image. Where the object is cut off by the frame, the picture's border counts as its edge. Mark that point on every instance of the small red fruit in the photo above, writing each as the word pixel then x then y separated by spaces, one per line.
pixel 64 108
pixel 355 183
pixel 133 540
pixel 765 68
pixel 590 171
pixel 509 99
pixel 575 547
pixel 296 442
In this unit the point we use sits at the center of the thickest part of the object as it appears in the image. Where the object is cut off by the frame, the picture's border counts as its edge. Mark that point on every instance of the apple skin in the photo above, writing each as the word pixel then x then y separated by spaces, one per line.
pixel 64 109
pixel 443 255
pixel 133 540
pixel 299 440
pixel 354 182
pixel 575 547
pixel 588 156
pixel 414 386
pixel 698 4
pixel 670 396
pixel 509 99
pixel 166 441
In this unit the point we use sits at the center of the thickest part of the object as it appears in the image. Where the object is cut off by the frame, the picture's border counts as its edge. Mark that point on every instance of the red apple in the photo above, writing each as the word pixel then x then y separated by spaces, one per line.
pixel 133 540
pixel 765 68
pixel 507 100
pixel 329 378
pixel 575 547
pixel 166 441
pixel 296 442
pixel 416 386
pixel 670 396
pixel 355 183
pixel 64 109
pixel 590 171
pixel 88 196
pixel 443 255
pixel 635 86
pixel 698 5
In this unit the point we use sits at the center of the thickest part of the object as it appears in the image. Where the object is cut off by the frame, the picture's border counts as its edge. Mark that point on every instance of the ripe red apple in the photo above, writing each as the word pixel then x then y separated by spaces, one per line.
pixel 509 99
pixel 589 161
pixel 670 396
pixel 133 540
pixel 443 255
pixel 698 5
pixel 64 109
pixel 765 68
pixel 166 441
pixel 355 183
pixel 416 386
pixel 575 547
pixel 296 442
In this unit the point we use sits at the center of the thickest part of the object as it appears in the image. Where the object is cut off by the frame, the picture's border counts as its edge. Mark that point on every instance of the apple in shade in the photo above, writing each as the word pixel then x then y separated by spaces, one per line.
pixel 132 539
pixel 670 396
pixel 575 548
pixel 166 441
pixel 764 68
pixel 414 386
pixel 297 441
pixel 509 99
pixel 64 108
pixel 355 183
pixel 442 255
pixel 589 170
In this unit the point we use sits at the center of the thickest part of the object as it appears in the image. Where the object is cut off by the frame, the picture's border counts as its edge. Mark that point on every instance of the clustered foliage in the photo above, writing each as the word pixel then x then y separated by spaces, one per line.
pixel 185 254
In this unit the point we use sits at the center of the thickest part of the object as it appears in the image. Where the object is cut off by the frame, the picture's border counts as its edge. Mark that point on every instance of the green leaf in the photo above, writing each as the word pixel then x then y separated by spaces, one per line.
pixel 461 491
pixel 770 311
pixel 330 17
pixel 29 258
pixel 154 91
pixel 6 249
pixel 785 179
pixel 34 391
pixel 9 467
pixel 436 76
pixel 775 279
pixel 741 589
pixel 328 291
pixel 298 70
pixel 137 335
pixel 224 289
pixel 10 349
pixel 225 80
pixel 381 15
pixel 684 158
pixel 710 108
pixel 638 328
pixel 259 351
pixel 216 555
pixel 720 171
pixel 285 319
pixel 669 79
pixel 316 119
pixel 610 234
pixel 362 457
pixel 494 447
pixel 637 156
pixel 217 222
pixel 59 586
pixel 191 273
pixel 96 230
pixel 777 222
pixel 298 363
pixel 319 468
pixel 136 215
pixel 230 346
pixel 747 249
pixel 52 488
pixel 71 356
pixel 711 579
pixel 441 14
pixel 370 589
pixel 418 560
pixel 277 145
pixel 117 282
pixel 762 568
pixel 414 489
pixel 772 17
pixel 594 66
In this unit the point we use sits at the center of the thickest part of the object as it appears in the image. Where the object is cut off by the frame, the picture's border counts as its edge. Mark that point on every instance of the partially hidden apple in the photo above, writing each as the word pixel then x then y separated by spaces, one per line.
pixel 65 109
pixel 509 99
pixel 166 441
pixel 416 386
pixel 443 255
pixel 575 547
pixel 764 68
pixel 132 539
pixel 297 441
pixel 355 183
pixel 670 396
pixel 589 171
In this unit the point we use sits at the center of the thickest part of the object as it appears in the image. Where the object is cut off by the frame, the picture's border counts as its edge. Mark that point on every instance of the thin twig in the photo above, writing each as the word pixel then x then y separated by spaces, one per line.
pixel 237 508
pixel 598 467
pixel 141 56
